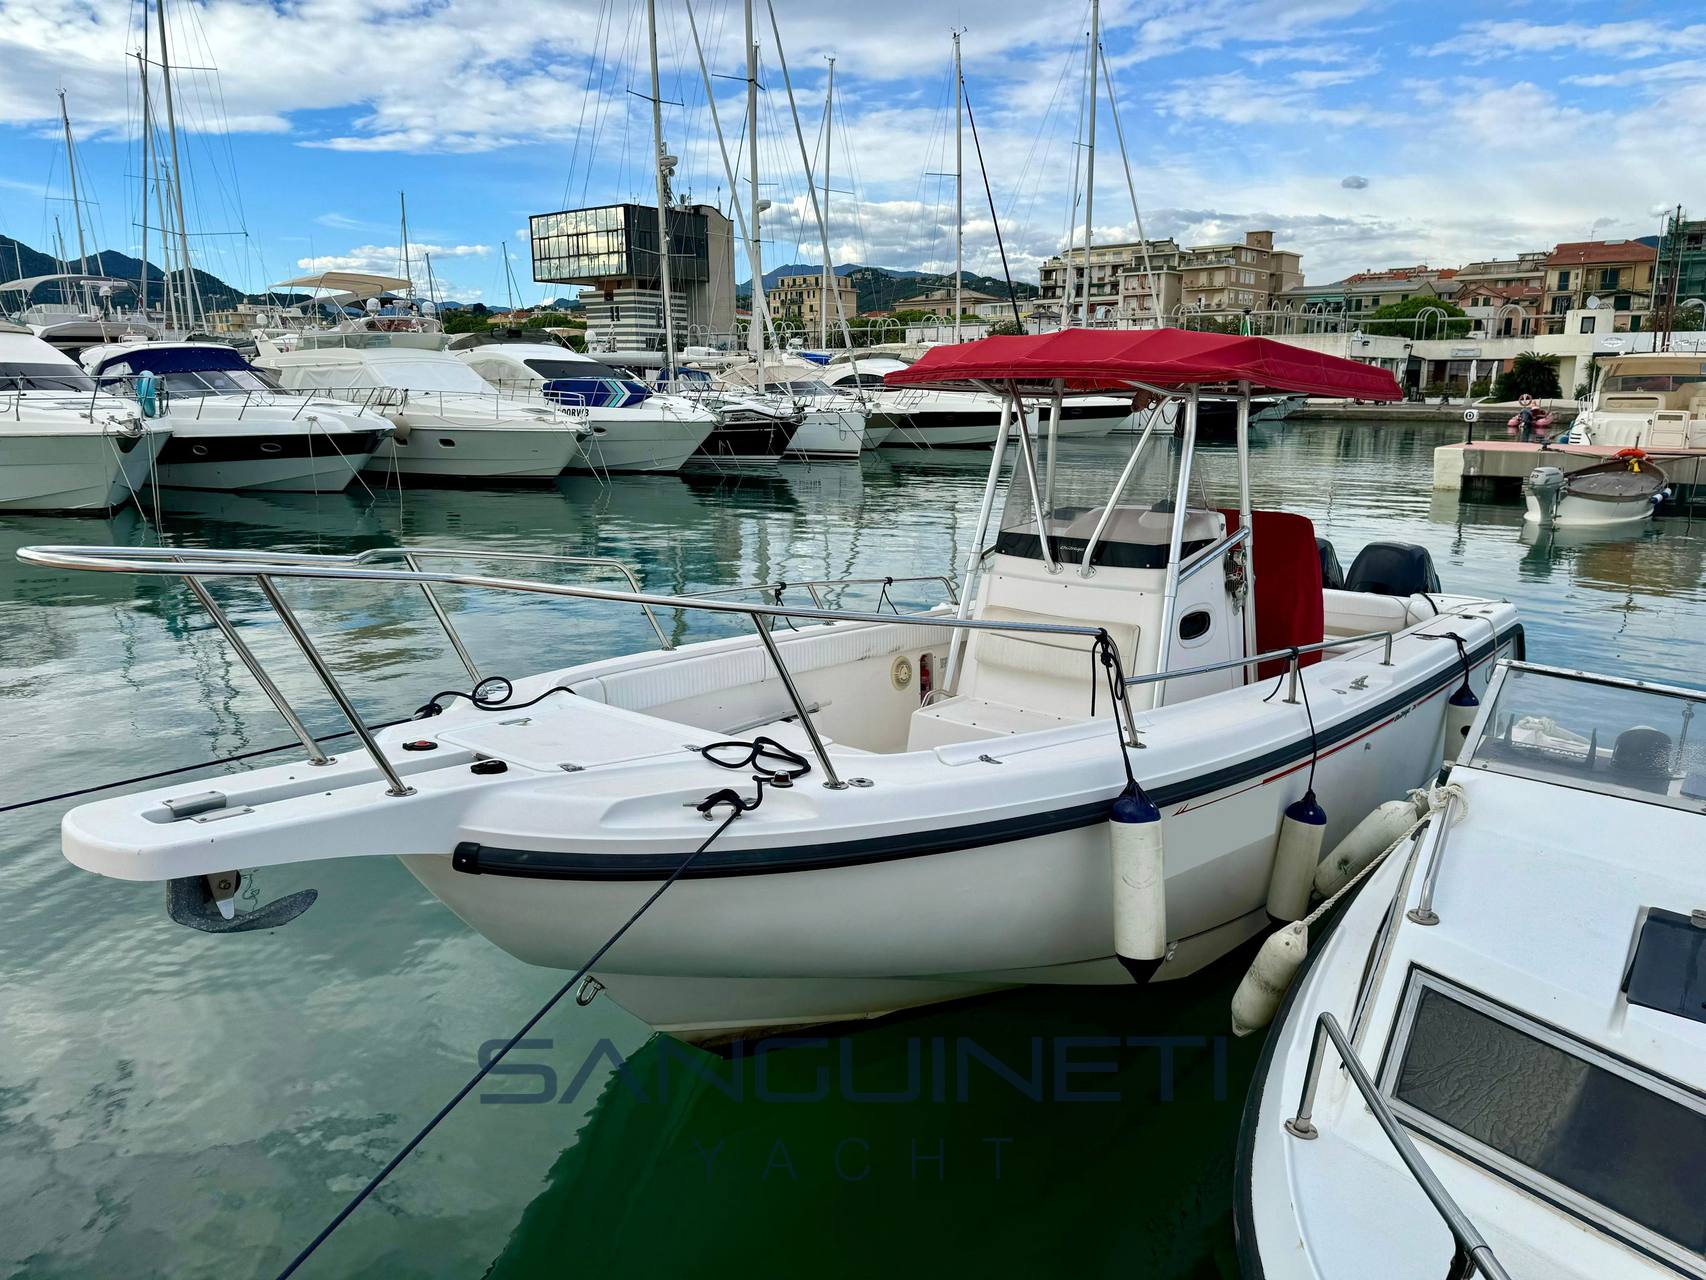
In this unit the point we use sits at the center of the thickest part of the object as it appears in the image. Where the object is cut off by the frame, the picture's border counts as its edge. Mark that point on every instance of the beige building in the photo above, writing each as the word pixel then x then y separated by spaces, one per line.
pixel 1219 280
pixel 802 299
pixel 973 302
pixel 1616 275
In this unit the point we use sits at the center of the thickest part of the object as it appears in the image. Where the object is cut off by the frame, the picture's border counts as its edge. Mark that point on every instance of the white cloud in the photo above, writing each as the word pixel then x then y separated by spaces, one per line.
pixel 384 259
pixel 1625 41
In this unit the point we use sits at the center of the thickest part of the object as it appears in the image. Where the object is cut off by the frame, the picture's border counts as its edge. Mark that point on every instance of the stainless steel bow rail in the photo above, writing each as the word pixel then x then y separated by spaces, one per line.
pixel 1471 1254
pixel 266 567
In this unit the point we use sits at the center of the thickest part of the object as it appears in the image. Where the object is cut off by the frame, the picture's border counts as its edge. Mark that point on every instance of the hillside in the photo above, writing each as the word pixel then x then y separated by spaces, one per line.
pixel 880 288
pixel 14 254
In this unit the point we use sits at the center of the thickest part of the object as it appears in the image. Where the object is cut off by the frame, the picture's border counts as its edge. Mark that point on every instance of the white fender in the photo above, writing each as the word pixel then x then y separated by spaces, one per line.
pixel 1264 983
pixel 1460 712
pixel 1140 891
pixel 1368 838
pixel 1296 854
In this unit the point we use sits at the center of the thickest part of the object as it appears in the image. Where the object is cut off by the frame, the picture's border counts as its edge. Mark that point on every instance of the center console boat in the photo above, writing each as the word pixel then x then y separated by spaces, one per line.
pixel 931 804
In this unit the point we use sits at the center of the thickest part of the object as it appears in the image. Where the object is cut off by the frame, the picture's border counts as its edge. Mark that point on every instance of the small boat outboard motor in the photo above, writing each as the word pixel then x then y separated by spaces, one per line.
pixel 1544 489
pixel 1392 569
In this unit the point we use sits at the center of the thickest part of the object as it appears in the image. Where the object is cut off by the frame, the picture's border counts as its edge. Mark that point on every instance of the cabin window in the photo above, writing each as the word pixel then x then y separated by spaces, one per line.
pixel 1195 624
pixel 1543 1109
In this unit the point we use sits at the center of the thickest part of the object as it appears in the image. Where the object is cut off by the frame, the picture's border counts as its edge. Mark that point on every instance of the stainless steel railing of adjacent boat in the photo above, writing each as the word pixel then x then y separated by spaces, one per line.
pixel 265 566
pixel 1471 1254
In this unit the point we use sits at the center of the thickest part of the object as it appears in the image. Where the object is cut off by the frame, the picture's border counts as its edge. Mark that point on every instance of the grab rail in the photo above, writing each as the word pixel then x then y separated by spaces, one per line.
pixel 266 566
pixel 1471 1254
pixel 1294 654
pixel 811 586
pixel 1208 555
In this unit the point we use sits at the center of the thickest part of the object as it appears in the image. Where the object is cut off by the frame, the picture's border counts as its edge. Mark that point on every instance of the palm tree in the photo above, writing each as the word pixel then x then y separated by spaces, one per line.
pixel 1530 372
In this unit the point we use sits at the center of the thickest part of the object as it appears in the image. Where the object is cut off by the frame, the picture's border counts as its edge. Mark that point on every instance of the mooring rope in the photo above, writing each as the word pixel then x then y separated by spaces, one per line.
pixel 737 807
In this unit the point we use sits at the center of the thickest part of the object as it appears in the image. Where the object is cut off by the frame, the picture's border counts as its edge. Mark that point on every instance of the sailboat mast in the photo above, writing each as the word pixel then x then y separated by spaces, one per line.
pixel 192 291
pixel 666 293
pixel 1090 151
pixel 828 271
pixel 147 150
pixel 959 184
pixel 71 168
pixel 754 330
pixel 403 208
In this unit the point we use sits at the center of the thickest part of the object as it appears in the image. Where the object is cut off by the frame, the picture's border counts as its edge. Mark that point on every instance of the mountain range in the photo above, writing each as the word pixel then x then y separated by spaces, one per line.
pixel 880 288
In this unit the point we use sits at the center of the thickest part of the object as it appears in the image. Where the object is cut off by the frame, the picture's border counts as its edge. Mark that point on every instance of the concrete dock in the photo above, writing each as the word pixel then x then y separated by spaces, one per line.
pixel 1498 467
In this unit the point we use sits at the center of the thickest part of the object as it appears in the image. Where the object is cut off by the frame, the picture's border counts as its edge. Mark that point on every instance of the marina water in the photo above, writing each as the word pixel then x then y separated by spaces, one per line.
pixel 173 1103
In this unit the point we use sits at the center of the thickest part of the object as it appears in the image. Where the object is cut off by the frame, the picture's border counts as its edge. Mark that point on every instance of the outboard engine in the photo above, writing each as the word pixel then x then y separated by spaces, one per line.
pixel 1544 489
pixel 1392 569
pixel 1332 572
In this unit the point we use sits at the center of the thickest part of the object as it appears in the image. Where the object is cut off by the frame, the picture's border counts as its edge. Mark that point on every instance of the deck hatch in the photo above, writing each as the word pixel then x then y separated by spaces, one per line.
pixel 1668 970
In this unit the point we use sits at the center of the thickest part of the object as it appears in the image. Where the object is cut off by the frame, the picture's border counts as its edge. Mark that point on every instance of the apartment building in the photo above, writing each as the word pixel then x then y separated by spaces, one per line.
pixel 1616 274
pixel 802 299
pixel 1218 280
pixel 1679 277
pixel 1504 294
pixel 973 302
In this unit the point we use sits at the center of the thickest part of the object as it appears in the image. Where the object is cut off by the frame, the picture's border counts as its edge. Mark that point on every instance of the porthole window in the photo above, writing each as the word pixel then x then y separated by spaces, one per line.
pixel 446 442
pixel 271 447
pixel 1195 624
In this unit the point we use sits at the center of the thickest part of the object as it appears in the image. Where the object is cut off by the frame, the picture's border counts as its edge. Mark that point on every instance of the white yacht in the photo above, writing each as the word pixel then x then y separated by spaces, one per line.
pixel 1652 401
pixel 633 427
pixel 1071 772
pixel 449 423
pixel 834 424
pixel 232 427
pixel 1495 1064
pixel 66 445
pixel 74 310
pixel 930 418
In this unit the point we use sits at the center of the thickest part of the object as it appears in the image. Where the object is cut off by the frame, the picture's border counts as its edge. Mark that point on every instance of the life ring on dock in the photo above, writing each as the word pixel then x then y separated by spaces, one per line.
pixel 1631 452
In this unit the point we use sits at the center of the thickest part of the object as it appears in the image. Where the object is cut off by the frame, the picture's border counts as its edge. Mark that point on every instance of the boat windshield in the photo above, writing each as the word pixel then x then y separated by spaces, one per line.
pixel 44 377
pixel 1615 737
pixel 217 382
pixel 1076 492
pixel 430 373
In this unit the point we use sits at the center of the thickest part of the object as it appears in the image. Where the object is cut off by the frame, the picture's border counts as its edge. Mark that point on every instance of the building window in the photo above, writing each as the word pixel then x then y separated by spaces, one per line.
pixel 1563 279
pixel 1620 302
pixel 1609 277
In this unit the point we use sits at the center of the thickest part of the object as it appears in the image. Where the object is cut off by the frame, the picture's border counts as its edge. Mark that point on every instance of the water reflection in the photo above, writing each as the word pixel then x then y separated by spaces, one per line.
pixel 206 1102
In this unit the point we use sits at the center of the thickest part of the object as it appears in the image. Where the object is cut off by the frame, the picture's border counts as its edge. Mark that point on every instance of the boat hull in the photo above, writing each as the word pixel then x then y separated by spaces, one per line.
pixel 829 435
pixel 624 442
pixel 299 461
pixel 437 449
pixel 75 470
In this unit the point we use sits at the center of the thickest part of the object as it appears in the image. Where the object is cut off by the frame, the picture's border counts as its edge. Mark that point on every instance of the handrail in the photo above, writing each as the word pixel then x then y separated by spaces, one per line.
pixel 266 566
pixel 1471 1255
pixel 811 585
pixel 1423 912
pixel 1207 668
pixel 1212 553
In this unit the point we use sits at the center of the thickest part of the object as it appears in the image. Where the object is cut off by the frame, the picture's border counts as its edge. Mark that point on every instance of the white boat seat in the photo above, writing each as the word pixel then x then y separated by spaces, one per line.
pixel 968 719
pixel 669 679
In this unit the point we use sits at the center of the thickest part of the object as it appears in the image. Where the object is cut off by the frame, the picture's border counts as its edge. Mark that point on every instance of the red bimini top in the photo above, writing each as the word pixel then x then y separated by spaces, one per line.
pixel 1114 360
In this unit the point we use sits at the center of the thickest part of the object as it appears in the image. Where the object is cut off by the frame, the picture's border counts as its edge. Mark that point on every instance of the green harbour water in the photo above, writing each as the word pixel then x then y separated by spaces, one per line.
pixel 184 1105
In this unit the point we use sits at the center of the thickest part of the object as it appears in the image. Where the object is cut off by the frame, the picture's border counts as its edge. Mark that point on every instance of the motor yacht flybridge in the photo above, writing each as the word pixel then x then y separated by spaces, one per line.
pixel 1074 770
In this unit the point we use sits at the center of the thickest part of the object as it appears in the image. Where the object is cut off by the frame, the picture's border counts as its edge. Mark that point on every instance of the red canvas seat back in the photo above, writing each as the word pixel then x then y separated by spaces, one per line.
pixel 1289 606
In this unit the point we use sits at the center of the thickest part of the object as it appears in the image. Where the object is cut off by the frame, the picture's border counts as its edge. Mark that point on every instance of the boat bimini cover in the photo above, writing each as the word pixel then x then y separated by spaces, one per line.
pixel 1114 360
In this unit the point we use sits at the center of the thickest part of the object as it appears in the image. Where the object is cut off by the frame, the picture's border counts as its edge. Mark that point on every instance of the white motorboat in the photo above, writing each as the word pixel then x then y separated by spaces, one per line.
pixel 634 428
pixel 74 310
pixel 933 815
pixel 1625 490
pixel 1651 401
pixel 449 423
pixel 66 445
pixel 930 418
pixel 834 425
pixel 1495 1064
pixel 232 427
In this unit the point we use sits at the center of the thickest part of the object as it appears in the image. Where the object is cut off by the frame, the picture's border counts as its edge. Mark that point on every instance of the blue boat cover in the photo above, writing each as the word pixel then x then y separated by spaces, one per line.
pixel 162 360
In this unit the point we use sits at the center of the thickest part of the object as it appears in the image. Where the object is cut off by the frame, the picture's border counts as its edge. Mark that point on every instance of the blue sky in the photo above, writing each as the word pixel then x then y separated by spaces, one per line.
pixel 1365 133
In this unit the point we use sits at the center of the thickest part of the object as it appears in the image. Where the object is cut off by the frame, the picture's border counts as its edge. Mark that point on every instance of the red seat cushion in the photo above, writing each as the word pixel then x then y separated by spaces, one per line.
pixel 1289 605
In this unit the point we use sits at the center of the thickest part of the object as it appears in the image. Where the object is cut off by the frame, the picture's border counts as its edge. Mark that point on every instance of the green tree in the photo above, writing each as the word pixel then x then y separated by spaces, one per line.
pixel 1530 372
pixel 1398 320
